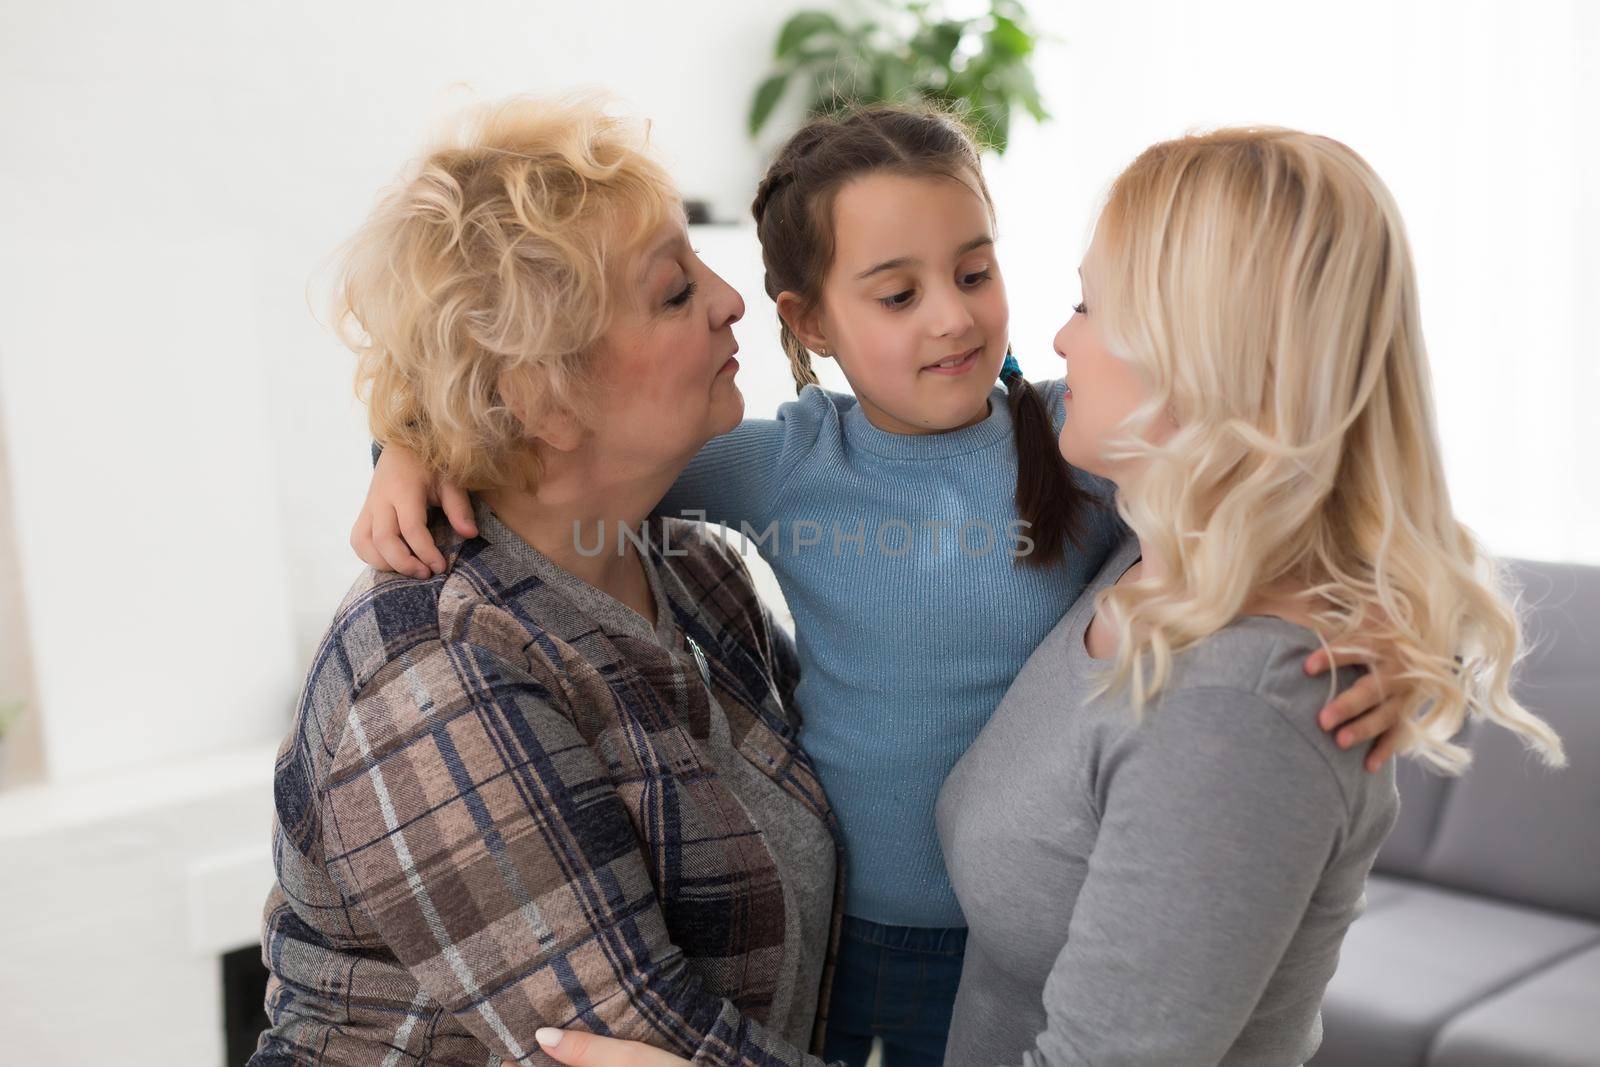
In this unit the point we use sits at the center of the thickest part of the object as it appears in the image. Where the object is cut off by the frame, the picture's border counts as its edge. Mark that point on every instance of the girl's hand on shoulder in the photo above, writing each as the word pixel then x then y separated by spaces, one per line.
pixel 1368 709
pixel 391 533
pixel 578 1049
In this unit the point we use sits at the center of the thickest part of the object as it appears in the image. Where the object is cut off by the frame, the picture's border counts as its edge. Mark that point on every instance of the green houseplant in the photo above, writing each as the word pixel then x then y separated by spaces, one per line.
pixel 980 66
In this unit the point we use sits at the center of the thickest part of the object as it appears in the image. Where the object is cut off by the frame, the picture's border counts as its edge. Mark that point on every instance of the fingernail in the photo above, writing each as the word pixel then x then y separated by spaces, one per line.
pixel 548 1036
pixel 1345 740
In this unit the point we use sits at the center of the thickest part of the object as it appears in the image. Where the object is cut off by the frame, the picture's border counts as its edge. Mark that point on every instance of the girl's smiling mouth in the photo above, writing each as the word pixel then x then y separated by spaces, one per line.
pixel 958 364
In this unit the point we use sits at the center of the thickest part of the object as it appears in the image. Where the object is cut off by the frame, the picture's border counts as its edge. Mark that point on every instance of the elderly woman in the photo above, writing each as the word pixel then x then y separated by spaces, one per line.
pixel 556 781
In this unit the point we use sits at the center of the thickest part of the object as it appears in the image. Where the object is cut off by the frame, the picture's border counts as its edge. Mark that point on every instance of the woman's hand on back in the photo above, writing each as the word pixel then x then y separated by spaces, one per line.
pixel 391 533
pixel 578 1049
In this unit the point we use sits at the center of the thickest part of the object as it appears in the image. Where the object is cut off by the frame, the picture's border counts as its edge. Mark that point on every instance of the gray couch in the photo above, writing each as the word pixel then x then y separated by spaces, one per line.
pixel 1480 946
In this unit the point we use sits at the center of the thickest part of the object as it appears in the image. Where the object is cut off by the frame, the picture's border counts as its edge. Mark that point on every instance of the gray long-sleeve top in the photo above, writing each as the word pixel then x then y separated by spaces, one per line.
pixel 1167 892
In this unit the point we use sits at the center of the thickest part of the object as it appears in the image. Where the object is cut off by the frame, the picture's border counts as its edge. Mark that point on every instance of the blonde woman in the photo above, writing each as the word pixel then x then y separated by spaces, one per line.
pixel 546 782
pixel 1156 848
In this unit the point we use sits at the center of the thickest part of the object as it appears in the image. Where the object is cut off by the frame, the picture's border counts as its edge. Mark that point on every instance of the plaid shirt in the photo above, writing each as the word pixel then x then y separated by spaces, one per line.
pixel 494 814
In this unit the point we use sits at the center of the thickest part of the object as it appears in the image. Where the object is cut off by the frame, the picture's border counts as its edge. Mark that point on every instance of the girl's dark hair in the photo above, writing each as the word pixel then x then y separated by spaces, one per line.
pixel 793 210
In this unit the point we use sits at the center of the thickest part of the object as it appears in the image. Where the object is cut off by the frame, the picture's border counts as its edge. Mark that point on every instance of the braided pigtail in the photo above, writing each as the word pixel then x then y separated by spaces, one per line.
pixel 1048 498
pixel 776 199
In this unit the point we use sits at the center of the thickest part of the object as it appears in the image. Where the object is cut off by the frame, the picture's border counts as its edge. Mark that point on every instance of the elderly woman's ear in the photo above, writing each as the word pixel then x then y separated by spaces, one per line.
pixel 552 425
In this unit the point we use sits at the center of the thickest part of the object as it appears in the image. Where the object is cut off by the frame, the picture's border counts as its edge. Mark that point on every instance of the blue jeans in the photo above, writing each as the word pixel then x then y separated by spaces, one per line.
pixel 897 983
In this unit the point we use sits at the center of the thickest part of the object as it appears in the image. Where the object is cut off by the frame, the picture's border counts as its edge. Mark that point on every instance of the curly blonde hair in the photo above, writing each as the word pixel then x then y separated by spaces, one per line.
pixel 1262 283
pixel 476 292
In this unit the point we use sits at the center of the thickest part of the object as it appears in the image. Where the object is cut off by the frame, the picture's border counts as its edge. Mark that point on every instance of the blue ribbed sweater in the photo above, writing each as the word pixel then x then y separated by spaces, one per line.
pixel 908 632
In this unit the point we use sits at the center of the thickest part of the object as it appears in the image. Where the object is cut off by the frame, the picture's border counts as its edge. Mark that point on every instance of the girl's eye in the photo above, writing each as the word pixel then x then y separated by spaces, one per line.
pixel 683 295
pixel 1080 309
pixel 977 277
pixel 898 300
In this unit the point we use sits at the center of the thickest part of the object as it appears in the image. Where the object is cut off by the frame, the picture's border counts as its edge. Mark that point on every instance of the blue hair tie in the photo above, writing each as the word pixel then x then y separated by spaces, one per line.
pixel 1010 368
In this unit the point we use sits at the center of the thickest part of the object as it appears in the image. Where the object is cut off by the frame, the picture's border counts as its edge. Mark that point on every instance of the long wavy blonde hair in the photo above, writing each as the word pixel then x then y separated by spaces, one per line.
pixel 475 294
pixel 1262 283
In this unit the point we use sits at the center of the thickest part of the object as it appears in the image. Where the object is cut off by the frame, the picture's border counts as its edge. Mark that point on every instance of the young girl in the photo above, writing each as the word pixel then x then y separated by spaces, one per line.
pixel 925 531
